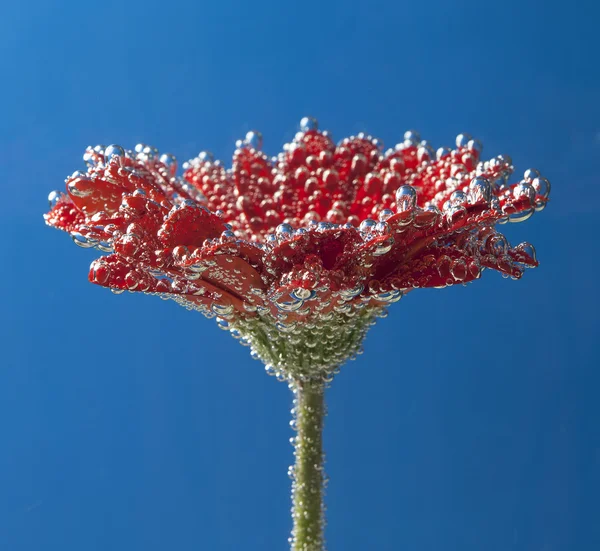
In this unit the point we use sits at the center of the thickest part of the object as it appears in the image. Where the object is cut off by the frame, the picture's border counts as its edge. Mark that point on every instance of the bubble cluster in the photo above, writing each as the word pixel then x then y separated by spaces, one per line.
pixel 296 255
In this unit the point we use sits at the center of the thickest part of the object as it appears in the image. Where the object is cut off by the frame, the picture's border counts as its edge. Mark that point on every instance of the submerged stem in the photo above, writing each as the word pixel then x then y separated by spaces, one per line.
pixel 307 490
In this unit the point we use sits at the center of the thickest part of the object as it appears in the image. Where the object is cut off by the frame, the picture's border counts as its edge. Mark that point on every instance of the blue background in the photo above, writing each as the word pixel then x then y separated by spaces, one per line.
pixel 471 421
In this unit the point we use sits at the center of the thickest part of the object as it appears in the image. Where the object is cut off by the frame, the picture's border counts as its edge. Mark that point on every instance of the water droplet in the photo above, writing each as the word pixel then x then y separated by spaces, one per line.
pixel 53 198
pixel 412 136
pixel 349 294
pixel 457 198
pixel 497 244
pixel 391 296
pixel 521 216
pixel 541 186
pixel 523 189
pixel 270 370
pixel 406 198
pixel 222 310
pixel 206 156
pixel 114 151
pixel 145 152
pixel 480 190
pixel 302 294
pixel 442 152
pixel 131 280
pixel 384 247
pixel 459 270
pixel 254 140
pixel 92 158
pixel 383 228
pixel 385 214
pixel 82 241
pixel 289 306
pixel 367 225
pixel 80 187
pixel 228 237
pixel 284 231
pixel 170 161
pixel 504 160
pixel 222 324
pixel 475 146
pixel 528 249
pixel 359 163
pixel 462 140
pixel 105 246
pixel 324 226
pixel 531 174
pixel 308 123
pixel 425 152
pixel 427 216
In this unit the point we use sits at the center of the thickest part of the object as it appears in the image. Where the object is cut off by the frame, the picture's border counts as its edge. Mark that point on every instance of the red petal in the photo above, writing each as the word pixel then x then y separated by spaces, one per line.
pixel 189 226
pixel 65 216
pixel 92 195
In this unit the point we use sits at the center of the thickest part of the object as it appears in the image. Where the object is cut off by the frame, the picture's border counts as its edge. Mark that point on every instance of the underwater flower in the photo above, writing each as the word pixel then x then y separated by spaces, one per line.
pixel 298 254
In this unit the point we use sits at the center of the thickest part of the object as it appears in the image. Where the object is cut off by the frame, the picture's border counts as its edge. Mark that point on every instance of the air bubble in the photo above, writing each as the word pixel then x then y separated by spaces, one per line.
pixel 302 294
pixel 462 140
pixel 222 310
pixel 284 231
pixel 457 199
pixel 475 146
pixel 480 191
pixel 170 161
pixel 78 189
pixel 384 247
pixel 289 306
pixel 308 123
pixel 228 237
pixel 54 198
pixel 523 189
pixel 367 225
pixel 114 151
pixel 385 214
pixel 390 296
pixel 82 241
pixel 412 136
pixel 406 199
pixel 254 140
pixel 459 270
pixel 497 245
pixel 349 294
pixel 442 152
pixel 531 174
pixel 206 157
pixel 425 152
pixel 542 188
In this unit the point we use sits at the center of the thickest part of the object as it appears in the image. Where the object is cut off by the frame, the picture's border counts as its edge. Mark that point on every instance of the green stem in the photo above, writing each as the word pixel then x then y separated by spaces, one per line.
pixel 307 490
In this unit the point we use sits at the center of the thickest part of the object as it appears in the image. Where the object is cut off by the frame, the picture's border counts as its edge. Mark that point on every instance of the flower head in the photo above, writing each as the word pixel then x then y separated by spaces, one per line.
pixel 298 254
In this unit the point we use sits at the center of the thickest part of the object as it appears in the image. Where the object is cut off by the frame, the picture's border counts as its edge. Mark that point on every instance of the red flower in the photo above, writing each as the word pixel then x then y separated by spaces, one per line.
pixel 298 253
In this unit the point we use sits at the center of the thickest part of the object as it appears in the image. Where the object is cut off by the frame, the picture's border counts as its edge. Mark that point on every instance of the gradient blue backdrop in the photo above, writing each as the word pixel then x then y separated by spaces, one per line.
pixel 471 421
